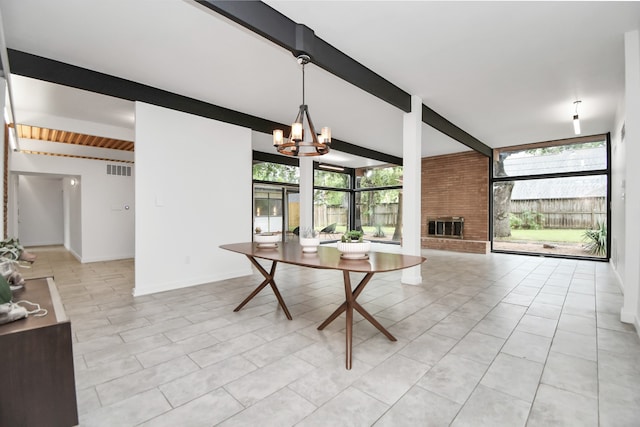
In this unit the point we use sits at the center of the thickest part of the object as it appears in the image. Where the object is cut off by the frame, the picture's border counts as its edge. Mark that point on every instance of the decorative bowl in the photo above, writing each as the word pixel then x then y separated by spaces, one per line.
pixel 354 250
pixel 309 244
pixel 267 240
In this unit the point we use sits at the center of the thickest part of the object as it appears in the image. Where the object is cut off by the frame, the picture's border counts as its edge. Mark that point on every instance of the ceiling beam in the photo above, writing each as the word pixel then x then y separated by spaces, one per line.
pixel 262 19
pixel 296 38
pixel 37 67
pixel 438 122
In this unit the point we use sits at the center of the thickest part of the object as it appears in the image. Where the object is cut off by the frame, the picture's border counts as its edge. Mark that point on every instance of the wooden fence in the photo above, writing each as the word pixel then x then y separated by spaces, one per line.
pixel 578 213
pixel 382 214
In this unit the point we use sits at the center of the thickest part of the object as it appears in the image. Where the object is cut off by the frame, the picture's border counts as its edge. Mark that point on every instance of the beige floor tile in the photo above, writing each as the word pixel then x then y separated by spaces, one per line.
pixel 420 407
pixel 556 407
pixel 470 340
pixel 488 407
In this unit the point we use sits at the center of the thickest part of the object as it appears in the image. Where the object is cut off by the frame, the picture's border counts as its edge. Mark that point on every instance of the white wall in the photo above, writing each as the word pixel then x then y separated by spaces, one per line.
pixel 101 229
pixel 618 195
pixel 40 220
pixel 626 186
pixel 193 193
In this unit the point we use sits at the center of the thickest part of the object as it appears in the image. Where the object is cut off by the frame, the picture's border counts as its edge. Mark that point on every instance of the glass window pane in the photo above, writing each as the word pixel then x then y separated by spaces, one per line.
pixel 275 172
pixel 565 216
pixel 267 209
pixel 330 213
pixel 323 178
pixel 378 214
pixel 587 156
pixel 386 176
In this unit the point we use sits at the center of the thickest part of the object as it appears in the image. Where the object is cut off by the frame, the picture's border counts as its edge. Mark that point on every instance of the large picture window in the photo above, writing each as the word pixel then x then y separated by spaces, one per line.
pixel 552 198
pixel 367 199
pixel 378 203
pixel 330 213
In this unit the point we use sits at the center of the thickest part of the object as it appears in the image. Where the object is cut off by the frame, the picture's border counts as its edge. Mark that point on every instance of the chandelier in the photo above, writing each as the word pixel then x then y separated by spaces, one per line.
pixel 295 145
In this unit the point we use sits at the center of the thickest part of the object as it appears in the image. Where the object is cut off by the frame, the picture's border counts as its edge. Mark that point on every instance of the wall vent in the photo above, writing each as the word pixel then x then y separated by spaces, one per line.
pixel 119 170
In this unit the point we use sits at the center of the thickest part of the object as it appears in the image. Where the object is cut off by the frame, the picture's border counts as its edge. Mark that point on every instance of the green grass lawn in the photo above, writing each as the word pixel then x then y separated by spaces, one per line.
pixel 547 235
pixel 369 231
pixel 544 235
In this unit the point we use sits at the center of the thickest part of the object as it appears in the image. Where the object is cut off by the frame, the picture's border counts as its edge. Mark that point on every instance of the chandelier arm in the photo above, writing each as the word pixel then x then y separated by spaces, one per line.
pixel 312 129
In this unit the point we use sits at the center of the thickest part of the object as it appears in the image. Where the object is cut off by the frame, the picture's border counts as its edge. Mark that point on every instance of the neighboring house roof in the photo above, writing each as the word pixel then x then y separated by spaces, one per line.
pixel 559 188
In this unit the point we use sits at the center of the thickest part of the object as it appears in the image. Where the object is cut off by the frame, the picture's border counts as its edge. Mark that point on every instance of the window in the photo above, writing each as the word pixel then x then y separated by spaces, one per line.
pixel 386 176
pixel 368 199
pixel 378 213
pixel 331 179
pixel 267 209
pixel 378 202
pixel 275 172
pixel 551 198
pixel 330 213
pixel 577 157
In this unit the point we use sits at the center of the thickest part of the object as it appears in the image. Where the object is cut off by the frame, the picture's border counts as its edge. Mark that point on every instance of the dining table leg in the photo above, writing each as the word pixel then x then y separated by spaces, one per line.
pixel 269 279
pixel 348 306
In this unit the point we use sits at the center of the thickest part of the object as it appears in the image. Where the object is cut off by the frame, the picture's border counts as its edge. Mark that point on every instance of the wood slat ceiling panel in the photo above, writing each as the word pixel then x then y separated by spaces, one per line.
pixel 54 135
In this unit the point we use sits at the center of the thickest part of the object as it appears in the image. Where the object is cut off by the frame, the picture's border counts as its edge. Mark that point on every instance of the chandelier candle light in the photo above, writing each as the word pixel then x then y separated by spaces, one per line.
pixel 295 145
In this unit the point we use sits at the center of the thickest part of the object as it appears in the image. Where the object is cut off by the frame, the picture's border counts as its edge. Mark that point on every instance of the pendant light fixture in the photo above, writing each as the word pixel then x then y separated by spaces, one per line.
pixel 296 145
pixel 576 119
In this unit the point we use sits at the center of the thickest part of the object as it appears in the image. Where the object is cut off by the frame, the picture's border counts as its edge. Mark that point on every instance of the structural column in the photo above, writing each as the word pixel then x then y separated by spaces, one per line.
pixel 631 307
pixel 411 188
pixel 306 193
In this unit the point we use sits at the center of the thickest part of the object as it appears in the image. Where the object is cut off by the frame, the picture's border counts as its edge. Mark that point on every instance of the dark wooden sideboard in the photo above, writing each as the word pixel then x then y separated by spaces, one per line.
pixel 37 386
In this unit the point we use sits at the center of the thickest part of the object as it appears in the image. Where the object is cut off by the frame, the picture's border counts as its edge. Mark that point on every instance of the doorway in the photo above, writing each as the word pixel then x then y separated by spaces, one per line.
pixel 40 210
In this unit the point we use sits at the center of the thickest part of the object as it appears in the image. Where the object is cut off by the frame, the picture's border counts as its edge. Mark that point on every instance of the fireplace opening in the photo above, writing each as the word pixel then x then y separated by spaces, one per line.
pixel 450 227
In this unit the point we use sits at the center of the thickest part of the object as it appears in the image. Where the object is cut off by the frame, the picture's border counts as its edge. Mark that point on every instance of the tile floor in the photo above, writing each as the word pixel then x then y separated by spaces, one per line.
pixel 495 340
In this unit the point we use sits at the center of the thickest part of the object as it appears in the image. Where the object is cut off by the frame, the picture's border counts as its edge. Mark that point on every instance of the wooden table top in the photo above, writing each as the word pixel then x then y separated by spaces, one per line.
pixel 326 257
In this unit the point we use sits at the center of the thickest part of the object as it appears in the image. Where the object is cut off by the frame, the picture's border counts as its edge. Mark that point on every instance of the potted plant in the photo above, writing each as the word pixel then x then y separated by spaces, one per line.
pixel 309 240
pixel 596 240
pixel 353 245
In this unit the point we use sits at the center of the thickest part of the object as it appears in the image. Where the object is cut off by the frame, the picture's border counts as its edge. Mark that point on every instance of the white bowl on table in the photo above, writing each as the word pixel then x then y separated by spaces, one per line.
pixel 309 244
pixel 267 240
pixel 354 250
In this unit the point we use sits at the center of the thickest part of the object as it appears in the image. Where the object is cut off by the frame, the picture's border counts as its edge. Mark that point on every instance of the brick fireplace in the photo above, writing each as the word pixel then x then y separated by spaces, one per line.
pixel 450 227
pixel 455 202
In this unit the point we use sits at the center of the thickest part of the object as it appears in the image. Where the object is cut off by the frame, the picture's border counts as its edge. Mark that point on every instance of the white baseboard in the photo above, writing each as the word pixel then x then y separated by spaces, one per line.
pixel 85 260
pixel 75 255
pixel 169 286
pixel 37 244
pixel 632 318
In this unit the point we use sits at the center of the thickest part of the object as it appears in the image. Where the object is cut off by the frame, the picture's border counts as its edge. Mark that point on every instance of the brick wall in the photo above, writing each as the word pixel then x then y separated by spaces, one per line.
pixel 457 185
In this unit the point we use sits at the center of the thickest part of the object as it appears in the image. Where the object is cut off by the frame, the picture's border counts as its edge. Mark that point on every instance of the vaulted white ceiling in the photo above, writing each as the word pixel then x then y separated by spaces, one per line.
pixel 505 72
